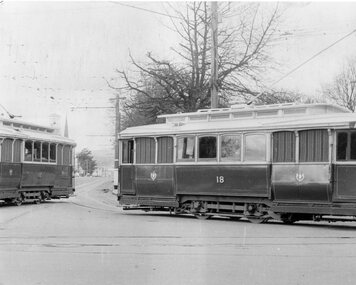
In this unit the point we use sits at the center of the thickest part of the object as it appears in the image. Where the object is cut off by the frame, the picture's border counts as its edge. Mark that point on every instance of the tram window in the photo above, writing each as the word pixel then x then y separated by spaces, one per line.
pixel 283 147
pixel 314 146
pixel 346 146
pixel 231 148
pixel 255 147
pixel 60 154
pixel 145 150
pixel 52 152
pixel 28 150
pixel 17 151
pixel 341 146
pixel 127 151
pixel 37 151
pixel 186 149
pixel 67 158
pixel 207 147
pixel 165 150
pixel 6 150
pixel 44 155
pixel 353 146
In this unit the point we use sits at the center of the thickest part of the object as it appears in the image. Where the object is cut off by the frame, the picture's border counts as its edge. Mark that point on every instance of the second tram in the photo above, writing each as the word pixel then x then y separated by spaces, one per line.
pixel 36 163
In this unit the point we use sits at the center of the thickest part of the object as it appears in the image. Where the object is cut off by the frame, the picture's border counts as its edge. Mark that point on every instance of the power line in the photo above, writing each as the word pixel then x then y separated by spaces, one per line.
pixel 314 56
pixel 303 63
pixel 146 10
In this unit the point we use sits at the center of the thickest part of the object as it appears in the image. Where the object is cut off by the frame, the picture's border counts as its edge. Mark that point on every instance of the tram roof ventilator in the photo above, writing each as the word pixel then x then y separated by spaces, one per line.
pixel 243 111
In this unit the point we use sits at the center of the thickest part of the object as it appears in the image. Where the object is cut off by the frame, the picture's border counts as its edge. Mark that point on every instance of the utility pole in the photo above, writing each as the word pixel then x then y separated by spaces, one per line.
pixel 214 55
pixel 117 133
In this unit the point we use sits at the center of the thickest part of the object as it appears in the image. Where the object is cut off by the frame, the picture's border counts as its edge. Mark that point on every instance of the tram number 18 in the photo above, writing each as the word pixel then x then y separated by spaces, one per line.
pixel 220 179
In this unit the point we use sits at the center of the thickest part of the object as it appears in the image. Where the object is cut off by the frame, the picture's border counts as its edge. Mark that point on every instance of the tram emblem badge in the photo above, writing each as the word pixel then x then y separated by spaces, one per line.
pixel 299 177
pixel 153 175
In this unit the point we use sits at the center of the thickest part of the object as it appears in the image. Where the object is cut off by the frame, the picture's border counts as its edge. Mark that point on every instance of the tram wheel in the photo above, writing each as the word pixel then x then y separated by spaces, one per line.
pixel 202 216
pixel 257 220
pixel 288 219
pixel 18 201
pixel 235 218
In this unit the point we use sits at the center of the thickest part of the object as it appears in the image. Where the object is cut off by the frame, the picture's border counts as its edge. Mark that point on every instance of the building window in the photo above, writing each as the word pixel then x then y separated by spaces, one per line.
pixel 346 146
pixel 284 147
pixel 127 151
pixel 186 149
pixel 313 146
pixel 165 150
pixel 207 148
pixel 255 147
pixel 145 150
pixel 231 148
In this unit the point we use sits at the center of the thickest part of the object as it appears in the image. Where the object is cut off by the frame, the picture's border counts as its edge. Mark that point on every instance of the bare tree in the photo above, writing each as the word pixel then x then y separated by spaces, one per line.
pixel 343 89
pixel 184 84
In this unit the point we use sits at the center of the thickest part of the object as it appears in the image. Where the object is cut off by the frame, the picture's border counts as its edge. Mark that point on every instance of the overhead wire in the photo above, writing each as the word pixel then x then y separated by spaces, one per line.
pixel 146 10
pixel 303 63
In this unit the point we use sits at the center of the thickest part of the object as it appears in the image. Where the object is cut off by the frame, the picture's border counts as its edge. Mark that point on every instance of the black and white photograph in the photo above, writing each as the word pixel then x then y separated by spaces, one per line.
pixel 173 142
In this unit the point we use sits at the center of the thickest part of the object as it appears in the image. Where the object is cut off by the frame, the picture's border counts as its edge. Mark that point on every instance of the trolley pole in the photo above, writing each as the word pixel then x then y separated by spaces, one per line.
pixel 214 55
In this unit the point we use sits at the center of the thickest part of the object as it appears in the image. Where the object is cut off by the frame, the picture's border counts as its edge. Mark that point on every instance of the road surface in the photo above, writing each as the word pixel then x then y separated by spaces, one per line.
pixel 87 239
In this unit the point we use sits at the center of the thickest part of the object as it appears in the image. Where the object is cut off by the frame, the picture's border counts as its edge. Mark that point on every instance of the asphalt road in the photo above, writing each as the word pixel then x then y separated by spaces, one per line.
pixel 87 239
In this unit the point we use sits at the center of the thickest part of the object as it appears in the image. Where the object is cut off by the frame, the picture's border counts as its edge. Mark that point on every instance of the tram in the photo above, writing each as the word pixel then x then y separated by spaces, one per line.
pixel 35 163
pixel 285 161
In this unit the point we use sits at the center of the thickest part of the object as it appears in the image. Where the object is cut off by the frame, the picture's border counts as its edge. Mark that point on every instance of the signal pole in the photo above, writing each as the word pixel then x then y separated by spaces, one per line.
pixel 214 55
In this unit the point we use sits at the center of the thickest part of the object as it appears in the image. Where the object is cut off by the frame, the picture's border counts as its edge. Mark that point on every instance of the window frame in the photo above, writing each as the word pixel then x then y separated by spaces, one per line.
pixel 155 150
pixel 121 149
pixel 267 136
pixel 158 150
pixel 50 144
pixel 182 160
pixel 207 160
pixel 12 141
pixel 296 147
pixel 241 135
pixel 348 149
pixel 298 142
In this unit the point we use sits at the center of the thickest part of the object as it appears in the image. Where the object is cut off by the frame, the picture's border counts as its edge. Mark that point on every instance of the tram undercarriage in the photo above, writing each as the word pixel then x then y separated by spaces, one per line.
pixel 254 210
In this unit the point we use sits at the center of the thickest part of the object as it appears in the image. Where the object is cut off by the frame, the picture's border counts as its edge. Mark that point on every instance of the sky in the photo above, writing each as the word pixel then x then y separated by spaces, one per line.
pixel 56 57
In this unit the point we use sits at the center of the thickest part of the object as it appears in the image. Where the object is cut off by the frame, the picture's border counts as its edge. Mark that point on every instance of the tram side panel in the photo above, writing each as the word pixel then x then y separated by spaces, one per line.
pixel 298 182
pixel 344 183
pixel 56 179
pixel 229 180
pixel 155 180
pixel 63 183
pixel 10 177
pixel 38 175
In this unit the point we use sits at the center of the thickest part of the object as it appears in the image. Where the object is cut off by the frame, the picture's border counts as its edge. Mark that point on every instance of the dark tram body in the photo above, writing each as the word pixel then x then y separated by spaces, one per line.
pixel 288 162
pixel 35 163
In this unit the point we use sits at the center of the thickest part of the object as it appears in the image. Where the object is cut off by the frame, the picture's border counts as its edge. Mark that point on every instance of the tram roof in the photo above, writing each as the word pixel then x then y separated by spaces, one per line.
pixel 24 130
pixel 269 117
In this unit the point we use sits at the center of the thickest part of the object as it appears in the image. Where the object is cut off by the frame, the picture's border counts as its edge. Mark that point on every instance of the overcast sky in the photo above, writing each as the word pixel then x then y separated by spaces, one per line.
pixel 57 55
